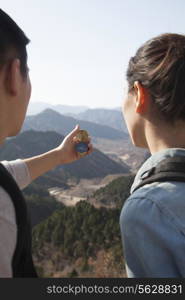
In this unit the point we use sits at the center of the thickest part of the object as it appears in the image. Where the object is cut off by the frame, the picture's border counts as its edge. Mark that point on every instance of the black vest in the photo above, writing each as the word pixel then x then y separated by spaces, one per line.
pixel 22 263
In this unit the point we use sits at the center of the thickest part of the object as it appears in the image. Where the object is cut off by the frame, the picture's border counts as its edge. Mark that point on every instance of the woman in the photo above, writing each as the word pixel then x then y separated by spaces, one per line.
pixel 153 217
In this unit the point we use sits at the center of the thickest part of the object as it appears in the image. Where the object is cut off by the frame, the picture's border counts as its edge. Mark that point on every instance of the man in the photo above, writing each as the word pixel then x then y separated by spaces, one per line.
pixel 15 91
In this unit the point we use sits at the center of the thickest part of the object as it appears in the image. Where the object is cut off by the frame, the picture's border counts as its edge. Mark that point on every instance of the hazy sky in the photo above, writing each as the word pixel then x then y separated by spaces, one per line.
pixel 80 49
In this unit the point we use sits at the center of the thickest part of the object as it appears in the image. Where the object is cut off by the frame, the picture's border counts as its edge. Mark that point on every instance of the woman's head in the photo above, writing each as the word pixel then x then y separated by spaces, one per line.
pixel 157 72
pixel 159 65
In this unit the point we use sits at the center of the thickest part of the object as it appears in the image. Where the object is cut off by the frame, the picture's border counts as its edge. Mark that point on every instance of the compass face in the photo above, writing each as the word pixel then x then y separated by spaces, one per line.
pixel 81 147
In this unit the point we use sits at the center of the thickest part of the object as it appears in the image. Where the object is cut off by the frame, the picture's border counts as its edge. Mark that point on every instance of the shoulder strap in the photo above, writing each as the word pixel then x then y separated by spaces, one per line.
pixel 169 169
pixel 22 262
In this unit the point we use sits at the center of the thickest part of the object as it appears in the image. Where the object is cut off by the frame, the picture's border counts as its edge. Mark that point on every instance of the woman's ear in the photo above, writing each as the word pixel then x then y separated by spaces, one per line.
pixel 141 97
pixel 13 78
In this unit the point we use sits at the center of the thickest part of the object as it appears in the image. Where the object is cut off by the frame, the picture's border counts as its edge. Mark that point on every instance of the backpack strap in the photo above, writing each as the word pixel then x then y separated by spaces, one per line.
pixel 22 262
pixel 169 169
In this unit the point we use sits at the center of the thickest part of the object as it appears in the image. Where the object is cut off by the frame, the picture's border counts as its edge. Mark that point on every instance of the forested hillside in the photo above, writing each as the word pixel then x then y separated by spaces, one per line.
pixel 83 240
pixel 40 203
pixel 73 237
pixel 113 194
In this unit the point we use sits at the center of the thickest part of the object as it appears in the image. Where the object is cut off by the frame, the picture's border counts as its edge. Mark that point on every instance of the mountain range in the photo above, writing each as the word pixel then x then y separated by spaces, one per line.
pixel 37 107
pixel 31 143
pixel 103 116
pixel 108 117
pixel 50 120
pixel 113 142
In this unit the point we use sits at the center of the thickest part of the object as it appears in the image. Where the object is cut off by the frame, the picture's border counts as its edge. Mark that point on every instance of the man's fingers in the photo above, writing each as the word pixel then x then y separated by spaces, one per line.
pixel 72 136
pixel 90 150
pixel 74 132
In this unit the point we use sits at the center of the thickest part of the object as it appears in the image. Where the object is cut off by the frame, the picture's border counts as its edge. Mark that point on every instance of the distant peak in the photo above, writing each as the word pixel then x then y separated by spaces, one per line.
pixel 49 111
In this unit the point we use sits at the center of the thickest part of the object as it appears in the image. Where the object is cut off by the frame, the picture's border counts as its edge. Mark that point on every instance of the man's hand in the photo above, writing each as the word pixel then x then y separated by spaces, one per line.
pixel 63 154
pixel 66 151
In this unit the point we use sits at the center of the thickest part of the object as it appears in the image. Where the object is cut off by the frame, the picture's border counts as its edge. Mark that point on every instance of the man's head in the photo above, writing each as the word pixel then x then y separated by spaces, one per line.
pixel 13 42
pixel 15 85
pixel 156 86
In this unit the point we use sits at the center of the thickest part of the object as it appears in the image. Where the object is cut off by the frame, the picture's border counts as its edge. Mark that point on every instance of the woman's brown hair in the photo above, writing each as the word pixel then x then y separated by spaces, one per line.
pixel 159 65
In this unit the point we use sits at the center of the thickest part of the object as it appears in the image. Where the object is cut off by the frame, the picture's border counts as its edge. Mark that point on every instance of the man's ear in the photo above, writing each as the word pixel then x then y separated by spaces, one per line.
pixel 141 97
pixel 13 78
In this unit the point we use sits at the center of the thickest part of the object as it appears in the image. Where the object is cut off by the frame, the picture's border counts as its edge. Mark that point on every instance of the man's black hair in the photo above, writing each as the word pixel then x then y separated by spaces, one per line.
pixel 13 42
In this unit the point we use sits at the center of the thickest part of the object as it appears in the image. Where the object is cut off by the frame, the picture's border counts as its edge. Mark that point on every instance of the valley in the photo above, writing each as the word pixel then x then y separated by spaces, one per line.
pixel 122 151
pixel 80 191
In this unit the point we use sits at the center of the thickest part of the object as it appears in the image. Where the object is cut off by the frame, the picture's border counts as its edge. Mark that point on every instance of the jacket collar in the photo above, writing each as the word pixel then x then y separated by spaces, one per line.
pixel 152 161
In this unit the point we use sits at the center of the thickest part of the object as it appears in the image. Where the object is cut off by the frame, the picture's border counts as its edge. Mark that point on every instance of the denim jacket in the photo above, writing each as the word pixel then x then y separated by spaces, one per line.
pixel 152 223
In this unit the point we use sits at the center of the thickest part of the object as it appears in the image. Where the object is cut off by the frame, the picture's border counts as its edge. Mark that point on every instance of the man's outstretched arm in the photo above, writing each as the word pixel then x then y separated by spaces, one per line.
pixel 63 154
